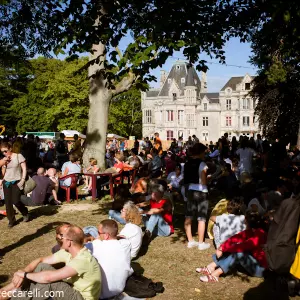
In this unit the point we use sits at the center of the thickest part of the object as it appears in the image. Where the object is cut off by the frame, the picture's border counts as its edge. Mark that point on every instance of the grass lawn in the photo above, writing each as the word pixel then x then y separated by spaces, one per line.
pixel 167 260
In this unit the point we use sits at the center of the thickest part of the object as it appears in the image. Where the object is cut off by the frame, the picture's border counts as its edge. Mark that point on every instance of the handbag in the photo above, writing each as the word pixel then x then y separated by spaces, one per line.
pixel 29 184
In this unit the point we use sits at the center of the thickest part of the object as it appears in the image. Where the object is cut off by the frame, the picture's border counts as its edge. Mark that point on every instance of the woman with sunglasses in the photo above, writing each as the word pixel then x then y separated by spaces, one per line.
pixel 14 173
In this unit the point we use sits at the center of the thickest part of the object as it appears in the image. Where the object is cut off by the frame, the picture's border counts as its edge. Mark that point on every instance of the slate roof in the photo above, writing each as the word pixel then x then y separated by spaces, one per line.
pixel 152 93
pixel 232 82
pixel 181 70
pixel 212 97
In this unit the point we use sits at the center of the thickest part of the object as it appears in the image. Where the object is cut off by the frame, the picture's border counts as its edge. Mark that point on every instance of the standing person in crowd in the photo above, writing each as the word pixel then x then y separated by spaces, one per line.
pixel 30 153
pixel 77 150
pixel 246 157
pixel 195 139
pixel 195 180
pixel 234 146
pixel 79 279
pixel 61 150
pixel 14 175
pixel 148 143
pixel 157 143
pixel 189 143
pixel 154 167
pixel 136 144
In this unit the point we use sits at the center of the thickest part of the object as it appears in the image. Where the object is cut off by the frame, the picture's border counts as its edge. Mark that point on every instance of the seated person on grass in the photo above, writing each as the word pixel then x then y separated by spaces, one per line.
pixel 230 223
pixel 113 256
pixel 244 249
pixel 158 218
pixel 43 193
pixel 132 231
pixel 79 279
pixel 121 197
pixel 174 179
pixel 59 232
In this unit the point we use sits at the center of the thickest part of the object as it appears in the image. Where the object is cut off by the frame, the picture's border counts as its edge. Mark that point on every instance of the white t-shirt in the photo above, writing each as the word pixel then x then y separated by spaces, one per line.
pixel 229 225
pixel 134 234
pixel 246 156
pixel 114 259
pixel 174 180
pixel 199 186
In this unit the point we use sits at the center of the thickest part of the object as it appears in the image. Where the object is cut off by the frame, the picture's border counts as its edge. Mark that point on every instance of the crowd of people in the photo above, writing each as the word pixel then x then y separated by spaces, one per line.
pixel 256 181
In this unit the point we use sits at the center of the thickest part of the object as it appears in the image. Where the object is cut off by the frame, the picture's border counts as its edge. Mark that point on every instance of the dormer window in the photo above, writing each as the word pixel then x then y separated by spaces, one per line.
pixel 177 67
pixel 247 86
pixel 205 106
pixel 195 82
pixel 169 80
pixel 182 80
pixel 174 96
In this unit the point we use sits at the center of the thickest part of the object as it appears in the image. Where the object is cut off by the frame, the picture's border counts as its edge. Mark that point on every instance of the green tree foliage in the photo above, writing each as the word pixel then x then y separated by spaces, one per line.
pixel 276 47
pixel 57 98
pixel 125 115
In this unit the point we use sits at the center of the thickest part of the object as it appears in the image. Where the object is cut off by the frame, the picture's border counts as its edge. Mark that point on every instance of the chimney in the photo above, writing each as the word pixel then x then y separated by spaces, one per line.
pixel 162 77
pixel 203 82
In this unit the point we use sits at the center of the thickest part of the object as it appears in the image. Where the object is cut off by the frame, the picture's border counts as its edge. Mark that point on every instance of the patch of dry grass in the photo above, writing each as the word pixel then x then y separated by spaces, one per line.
pixel 167 260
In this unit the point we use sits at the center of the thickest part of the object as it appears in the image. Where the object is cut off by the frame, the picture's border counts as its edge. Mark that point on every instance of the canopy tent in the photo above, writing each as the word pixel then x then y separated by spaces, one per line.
pixel 115 136
pixel 44 135
pixel 70 134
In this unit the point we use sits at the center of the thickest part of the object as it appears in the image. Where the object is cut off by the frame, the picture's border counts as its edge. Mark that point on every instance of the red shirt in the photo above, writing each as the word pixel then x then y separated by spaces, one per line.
pixel 250 240
pixel 167 212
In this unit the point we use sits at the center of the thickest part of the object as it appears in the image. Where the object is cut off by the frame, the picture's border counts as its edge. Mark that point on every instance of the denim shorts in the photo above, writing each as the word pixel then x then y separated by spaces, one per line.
pixel 197 205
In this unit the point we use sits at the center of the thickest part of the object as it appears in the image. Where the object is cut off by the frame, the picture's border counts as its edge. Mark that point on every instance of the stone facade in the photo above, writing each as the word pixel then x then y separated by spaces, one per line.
pixel 182 107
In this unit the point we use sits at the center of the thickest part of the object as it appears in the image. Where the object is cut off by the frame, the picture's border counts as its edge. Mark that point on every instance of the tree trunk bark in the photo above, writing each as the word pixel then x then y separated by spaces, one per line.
pixel 100 98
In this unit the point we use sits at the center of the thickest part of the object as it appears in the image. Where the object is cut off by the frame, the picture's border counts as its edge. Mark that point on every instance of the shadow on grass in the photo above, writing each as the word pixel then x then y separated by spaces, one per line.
pixel 48 210
pixel 28 238
pixel 268 289
pixel 3 279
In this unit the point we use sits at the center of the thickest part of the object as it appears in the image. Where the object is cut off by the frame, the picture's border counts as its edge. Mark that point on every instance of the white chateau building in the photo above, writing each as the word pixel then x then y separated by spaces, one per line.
pixel 182 107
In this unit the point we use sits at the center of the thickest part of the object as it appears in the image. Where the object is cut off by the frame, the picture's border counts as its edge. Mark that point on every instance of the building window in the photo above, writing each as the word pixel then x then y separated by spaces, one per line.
pixel 228 104
pixel 246 103
pixel 170 116
pixel 174 96
pixel 246 121
pixel 205 121
pixel 169 80
pixel 247 86
pixel 190 120
pixel 205 136
pixel 182 80
pixel 170 135
pixel 205 106
pixel 178 67
pixel 148 116
pixel 254 103
pixel 228 121
pixel 180 117
pixel 253 120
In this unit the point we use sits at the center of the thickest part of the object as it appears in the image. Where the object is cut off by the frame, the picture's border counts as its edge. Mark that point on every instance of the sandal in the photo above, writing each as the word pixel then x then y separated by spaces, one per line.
pixel 204 270
pixel 209 278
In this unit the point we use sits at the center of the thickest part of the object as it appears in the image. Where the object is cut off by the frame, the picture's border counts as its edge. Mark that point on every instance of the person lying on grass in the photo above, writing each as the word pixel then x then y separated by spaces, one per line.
pixel 244 249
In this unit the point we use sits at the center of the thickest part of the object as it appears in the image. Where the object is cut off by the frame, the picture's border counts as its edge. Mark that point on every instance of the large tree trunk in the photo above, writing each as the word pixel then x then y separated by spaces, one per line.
pixel 100 98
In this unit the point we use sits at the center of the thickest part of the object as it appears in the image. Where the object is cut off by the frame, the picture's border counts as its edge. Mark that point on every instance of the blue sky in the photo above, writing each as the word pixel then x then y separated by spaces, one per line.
pixel 236 54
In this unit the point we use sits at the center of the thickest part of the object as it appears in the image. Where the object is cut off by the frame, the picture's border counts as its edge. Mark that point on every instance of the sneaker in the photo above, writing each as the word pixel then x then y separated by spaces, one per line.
pixel 192 244
pixel 203 246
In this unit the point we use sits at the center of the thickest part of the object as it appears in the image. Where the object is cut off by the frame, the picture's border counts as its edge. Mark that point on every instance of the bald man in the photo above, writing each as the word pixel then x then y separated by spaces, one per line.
pixel 79 279
pixel 44 191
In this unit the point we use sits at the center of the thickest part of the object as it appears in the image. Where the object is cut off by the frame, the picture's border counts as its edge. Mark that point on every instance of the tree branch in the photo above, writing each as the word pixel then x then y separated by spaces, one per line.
pixel 119 52
pixel 125 84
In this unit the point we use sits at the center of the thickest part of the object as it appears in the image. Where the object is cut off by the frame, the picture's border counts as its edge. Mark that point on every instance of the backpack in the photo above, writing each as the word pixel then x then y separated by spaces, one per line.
pixel 139 286
pixel 191 171
pixel 61 147
pixel 281 244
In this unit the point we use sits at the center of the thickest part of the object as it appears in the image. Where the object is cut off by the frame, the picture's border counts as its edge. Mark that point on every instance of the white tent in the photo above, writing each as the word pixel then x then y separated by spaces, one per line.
pixel 70 133
pixel 115 136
